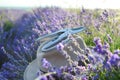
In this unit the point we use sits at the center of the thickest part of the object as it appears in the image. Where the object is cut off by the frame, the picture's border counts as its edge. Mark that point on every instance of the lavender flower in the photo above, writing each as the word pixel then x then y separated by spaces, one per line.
pixel 60 46
pixel 106 45
pixel 84 78
pixel 114 59
pixel 59 72
pixel 46 64
pixel 109 38
pixel 97 40
pixel 69 77
pixel 2 77
pixel 95 77
pixel 105 13
pixel 42 78
pixel 117 51
pixel 3 57
pixel 107 65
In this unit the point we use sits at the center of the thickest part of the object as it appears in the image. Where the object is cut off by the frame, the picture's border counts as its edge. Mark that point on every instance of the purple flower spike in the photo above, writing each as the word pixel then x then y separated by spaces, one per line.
pixel 84 78
pixel 106 45
pixel 43 78
pixel 117 51
pixel 60 46
pixel 99 45
pixel 69 77
pixel 45 63
pixel 114 59
pixel 107 65
pixel 109 38
pixel 97 40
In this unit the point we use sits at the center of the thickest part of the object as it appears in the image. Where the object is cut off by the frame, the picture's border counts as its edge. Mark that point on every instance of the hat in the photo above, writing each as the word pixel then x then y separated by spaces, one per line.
pixel 49 51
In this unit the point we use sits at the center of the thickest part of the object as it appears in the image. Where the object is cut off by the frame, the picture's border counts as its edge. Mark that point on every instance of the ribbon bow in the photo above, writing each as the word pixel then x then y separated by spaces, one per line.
pixel 58 36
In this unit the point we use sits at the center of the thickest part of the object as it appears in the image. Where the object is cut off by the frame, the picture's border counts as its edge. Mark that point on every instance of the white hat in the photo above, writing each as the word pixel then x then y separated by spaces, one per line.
pixel 53 56
pixel 49 51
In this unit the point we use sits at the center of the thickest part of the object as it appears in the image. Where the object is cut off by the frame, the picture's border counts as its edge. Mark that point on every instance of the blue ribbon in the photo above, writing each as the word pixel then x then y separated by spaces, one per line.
pixel 58 36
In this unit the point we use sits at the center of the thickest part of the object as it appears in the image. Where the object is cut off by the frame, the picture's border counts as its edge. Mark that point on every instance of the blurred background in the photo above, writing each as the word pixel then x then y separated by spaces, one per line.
pixel 90 4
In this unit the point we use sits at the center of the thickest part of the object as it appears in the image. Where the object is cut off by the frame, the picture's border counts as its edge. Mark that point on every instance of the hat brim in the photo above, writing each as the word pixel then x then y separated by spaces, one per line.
pixel 31 71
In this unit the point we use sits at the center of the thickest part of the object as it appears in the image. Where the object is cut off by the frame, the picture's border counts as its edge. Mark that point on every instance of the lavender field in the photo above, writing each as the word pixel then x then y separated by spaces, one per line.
pixel 20 29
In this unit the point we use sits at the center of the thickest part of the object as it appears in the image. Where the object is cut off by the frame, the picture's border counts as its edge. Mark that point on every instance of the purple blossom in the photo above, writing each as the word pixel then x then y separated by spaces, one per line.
pixel 59 72
pixel 117 51
pixel 7 74
pixel 96 77
pixel 99 46
pixel 46 64
pixel 107 65
pixel 105 13
pixel 89 66
pixel 3 56
pixel 60 46
pixel 97 40
pixel 109 38
pixel 68 77
pixel 39 73
pixel 114 59
pixel 2 77
pixel 87 51
pixel 84 78
pixel 97 24
pixel 42 78
pixel 106 45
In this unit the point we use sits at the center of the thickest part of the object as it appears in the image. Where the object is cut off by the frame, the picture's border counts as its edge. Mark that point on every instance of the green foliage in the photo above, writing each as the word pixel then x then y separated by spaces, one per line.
pixel 113 74
pixel 8 25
